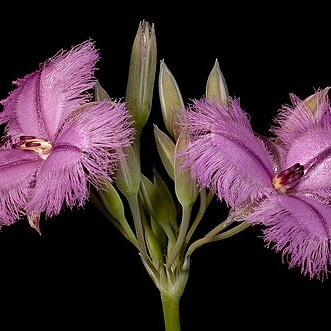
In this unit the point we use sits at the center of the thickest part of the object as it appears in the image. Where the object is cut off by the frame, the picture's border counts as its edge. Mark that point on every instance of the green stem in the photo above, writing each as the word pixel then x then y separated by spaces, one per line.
pixel 214 235
pixel 121 220
pixel 196 222
pixel 186 215
pixel 134 207
pixel 136 147
pixel 210 197
pixel 241 227
pixel 121 226
pixel 170 304
pixel 220 227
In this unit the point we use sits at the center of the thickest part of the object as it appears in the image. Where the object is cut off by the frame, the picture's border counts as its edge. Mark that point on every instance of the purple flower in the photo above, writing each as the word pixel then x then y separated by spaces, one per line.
pixel 285 186
pixel 57 140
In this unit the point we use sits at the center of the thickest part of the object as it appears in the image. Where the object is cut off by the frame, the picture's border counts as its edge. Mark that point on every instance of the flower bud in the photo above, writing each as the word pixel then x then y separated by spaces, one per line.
pixel 154 202
pixel 153 246
pixel 216 88
pixel 166 149
pixel 140 85
pixel 128 174
pixel 170 98
pixel 162 187
pixel 112 201
pixel 158 208
pixel 186 187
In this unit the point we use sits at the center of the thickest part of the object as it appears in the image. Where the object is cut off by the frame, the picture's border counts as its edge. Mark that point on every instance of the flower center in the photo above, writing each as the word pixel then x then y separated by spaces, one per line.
pixel 30 143
pixel 288 177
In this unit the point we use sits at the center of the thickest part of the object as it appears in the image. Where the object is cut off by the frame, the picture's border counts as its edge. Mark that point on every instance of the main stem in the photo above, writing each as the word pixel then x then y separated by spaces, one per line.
pixel 170 304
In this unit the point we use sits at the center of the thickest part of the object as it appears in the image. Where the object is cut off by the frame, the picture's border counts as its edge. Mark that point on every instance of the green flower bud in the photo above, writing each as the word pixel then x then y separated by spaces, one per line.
pixel 112 201
pixel 186 187
pixel 140 85
pixel 157 206
pixel 128 174
pixel 166 149
pixel 170 98
pixel 216 88
pixel 159 234
pixel 153 246
pixel 167 197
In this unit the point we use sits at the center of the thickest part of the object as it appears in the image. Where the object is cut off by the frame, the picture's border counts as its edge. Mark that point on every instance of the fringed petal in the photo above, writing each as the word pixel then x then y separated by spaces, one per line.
pixel 22 109
pixel 17 175
pixel 100 131
pixel 300 228
pixel 225 155
pixel 294 121
pixel 312 150
pixel 43 99
pixel 61 181
pixel 87 150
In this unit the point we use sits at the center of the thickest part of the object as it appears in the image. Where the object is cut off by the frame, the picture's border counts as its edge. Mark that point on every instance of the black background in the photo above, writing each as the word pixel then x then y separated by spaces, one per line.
pixel 81 272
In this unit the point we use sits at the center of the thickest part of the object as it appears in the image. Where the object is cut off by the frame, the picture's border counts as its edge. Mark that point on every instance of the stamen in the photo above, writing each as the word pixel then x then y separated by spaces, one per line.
pixel 288 177
pixel 31 143
pixel 17 145
pixel 27 137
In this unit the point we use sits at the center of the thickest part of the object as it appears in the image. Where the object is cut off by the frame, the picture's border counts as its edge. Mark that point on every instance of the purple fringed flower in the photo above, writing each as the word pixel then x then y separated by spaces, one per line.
pixel 284 186
pixel 60 141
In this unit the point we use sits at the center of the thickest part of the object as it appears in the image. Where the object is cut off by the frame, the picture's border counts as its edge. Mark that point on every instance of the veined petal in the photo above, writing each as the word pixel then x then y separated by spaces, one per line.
pixel 300 228
pixel 225 155
pixel 100 131
pixel 17 171
pixel 312 150
pixel 44 99
pixel 294 121
pixel 61 180
pixel 86 150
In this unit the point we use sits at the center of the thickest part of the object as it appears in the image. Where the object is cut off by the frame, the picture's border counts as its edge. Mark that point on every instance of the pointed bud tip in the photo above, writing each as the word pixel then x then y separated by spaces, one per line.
pixel 143 24
pixel 156 128
pixel 163 66
pixel 172 104
pixel 139 92
pixel 146 28
pixel 216 87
